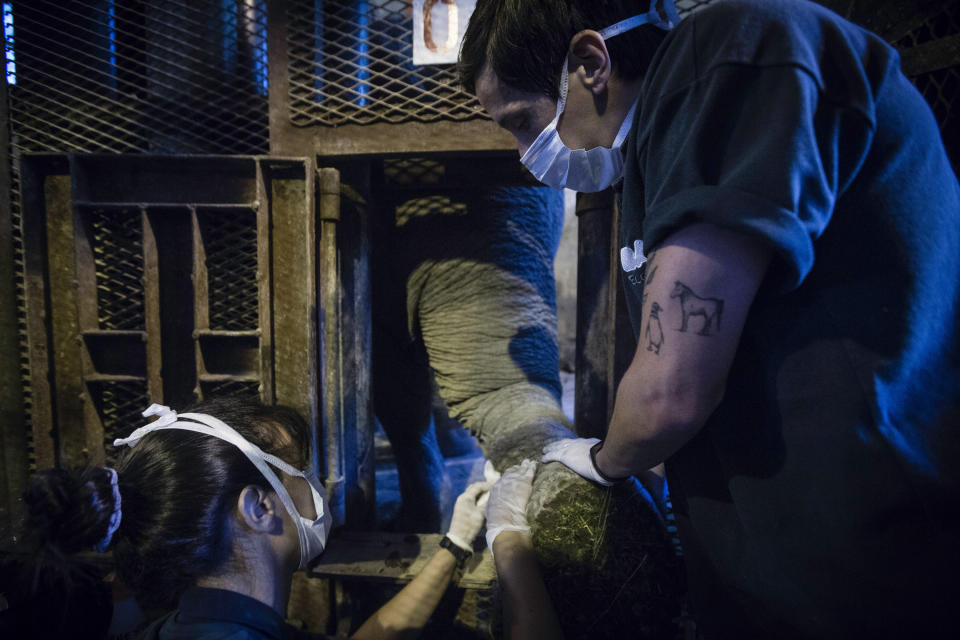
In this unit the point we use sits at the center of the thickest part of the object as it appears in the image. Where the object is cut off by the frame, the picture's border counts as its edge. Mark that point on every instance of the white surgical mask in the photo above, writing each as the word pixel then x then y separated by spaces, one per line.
pixel 588 170
pixel 312 533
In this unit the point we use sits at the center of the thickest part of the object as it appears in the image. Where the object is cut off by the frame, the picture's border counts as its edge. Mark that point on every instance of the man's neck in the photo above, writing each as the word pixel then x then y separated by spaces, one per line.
pixel 266 585
pixel 623 95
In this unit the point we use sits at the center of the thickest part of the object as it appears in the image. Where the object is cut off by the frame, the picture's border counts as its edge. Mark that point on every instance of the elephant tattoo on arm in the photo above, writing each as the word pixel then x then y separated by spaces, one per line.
pixel 693 305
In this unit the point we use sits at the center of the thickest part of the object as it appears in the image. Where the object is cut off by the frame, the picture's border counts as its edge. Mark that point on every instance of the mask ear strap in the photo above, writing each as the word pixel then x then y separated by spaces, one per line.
pixel 564 87
pixel 208 425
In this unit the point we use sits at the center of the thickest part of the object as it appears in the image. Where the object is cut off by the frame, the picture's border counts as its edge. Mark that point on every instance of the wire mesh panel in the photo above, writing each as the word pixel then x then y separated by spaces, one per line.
pixel 117 75
pixel 351 62
pixel 233 388
pixel 940 87
pixel 230 243
pixel 117 243
pixel 178 76
pixel 119 404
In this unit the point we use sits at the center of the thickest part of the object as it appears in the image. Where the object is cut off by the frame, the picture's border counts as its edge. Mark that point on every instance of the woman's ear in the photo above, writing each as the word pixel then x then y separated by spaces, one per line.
pixel 590 59
pixel 257 510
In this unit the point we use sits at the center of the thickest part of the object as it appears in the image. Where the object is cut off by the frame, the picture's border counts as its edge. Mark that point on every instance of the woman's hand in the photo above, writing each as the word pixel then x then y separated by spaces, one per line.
pixel 468 516
pixel 507 506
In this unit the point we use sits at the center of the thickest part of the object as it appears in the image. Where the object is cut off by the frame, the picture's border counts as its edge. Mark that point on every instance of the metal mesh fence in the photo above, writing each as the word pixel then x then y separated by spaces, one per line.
pixel 171 76
pixel 235 388
pixel 351 63
pixel 161 76
pixel 117 243
pixel 941 87
pixel 230 241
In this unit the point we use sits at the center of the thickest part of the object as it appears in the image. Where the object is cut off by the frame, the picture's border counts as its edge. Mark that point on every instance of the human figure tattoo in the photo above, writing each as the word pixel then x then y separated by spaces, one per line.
pixel 693 305
pixel 654 332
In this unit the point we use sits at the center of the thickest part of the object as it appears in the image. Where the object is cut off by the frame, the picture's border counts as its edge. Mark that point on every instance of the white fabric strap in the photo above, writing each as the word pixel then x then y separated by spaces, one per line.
pixel 208 425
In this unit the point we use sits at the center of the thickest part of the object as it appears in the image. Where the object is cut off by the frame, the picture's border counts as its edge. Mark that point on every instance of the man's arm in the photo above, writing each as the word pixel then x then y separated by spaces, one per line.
pixel 527 609
pixel 702 282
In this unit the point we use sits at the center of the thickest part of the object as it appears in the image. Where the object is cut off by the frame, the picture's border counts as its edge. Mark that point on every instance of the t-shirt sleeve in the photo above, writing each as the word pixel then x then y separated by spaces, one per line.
pixel 755 149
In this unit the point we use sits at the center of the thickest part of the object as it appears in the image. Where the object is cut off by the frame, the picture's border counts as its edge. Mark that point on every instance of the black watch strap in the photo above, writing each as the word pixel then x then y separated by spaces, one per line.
pixel 458 552
pixel 593 458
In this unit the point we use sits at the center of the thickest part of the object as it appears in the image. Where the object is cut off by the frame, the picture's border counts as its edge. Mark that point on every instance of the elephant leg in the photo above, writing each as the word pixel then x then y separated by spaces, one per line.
pixel 486 317
pixel 403 404
pixel 454 440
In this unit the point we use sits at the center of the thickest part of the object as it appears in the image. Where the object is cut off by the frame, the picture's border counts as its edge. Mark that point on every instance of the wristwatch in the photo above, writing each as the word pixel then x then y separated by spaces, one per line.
pixel 458 552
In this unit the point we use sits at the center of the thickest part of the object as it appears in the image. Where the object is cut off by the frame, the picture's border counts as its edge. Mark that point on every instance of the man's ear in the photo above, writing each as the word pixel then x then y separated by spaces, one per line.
pixel 257 510
pixel 591 60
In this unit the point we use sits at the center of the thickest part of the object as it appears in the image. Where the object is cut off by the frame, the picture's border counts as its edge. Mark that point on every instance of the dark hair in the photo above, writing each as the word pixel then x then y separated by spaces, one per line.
pixel 177 490
pixel 525 41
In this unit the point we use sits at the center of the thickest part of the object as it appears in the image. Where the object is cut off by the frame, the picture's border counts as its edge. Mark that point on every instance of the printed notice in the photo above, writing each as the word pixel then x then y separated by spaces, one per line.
pixel 438 28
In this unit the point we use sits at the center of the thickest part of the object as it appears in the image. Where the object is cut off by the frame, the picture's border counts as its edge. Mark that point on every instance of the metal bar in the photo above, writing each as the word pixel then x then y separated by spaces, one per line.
pixel 151 299
pixel 331 334
pixel 13 437
pixel 294 283
pixel 66 348
pixel 353 248
pixel 265 287
pixel 594 321
pixel 201 301
pixel 34 174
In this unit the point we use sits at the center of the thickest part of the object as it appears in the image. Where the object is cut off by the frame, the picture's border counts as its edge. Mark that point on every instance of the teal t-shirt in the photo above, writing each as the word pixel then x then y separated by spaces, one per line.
pixel 821 497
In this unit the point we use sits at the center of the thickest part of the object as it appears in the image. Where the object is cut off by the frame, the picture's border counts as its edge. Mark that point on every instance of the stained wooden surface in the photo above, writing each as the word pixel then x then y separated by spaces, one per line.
pixel 395 557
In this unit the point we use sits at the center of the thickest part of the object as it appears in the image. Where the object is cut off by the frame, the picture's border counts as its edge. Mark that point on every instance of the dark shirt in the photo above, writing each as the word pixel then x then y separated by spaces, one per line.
pixel 821 497
pixel 217 614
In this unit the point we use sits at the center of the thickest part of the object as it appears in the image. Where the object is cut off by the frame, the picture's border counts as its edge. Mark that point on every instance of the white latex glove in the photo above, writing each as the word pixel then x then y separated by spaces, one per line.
pixel 491 475
pixel 575 453
pixel 507 508
pixel 467 516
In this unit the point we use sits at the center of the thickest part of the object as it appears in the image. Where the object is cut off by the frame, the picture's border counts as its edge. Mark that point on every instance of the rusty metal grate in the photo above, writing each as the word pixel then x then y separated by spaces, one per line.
pixel 413 171
pixel 119 404
pixel 235 388
pixel 351 63
pixel 230 242
pixel 175 76
pixel 117 243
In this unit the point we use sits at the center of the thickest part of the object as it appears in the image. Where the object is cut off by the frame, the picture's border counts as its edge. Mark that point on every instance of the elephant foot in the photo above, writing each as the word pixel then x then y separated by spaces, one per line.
pixel 608 562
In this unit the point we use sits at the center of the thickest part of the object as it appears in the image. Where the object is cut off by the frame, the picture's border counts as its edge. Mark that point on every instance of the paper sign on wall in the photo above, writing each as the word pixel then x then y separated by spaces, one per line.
pixel 438 28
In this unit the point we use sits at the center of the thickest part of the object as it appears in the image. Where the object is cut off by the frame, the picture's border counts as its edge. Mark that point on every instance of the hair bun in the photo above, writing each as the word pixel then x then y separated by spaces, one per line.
pixel 68 509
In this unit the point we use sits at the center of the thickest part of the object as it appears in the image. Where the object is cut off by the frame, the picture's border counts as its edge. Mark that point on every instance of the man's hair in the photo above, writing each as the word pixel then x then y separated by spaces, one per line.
pixel 525 41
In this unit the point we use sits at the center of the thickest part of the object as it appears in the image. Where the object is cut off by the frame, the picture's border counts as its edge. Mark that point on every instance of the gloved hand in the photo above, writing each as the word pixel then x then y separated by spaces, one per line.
pixel 507 507
pixel 468 516
pixel 575 453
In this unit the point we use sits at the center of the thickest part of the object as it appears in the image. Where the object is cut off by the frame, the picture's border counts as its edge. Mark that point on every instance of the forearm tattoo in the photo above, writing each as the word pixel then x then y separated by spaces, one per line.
pixel 654 332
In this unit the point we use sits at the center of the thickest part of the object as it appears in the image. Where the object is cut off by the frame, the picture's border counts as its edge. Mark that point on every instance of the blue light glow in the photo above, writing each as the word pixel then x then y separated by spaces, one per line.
pixel 112 33
pixel 9 54
pixel 363 47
